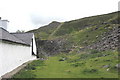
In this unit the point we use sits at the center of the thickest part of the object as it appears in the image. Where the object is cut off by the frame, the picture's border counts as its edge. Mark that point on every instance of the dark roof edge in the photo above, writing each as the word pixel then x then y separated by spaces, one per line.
pixel 4 29
pixel 15 42
pixel 23 33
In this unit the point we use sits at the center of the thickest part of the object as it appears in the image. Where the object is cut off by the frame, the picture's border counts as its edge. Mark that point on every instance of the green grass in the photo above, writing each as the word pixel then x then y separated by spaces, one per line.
pixel 44 31
pixel 73 66
pixel 76 34
pixel 76 25
pixel 86 36
pixel 73 26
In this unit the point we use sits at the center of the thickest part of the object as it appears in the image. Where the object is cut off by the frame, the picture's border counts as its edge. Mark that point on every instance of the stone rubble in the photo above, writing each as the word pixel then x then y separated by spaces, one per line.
pixel 109 41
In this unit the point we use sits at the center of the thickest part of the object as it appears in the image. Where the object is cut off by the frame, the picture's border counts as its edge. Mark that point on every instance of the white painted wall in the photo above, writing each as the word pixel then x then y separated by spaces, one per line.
pixel 0 23
pixel 34 45
pixel 12 56
pixel 0 60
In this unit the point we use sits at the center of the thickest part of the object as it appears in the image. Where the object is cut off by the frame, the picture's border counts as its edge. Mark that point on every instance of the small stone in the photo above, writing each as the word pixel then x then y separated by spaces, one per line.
pixel 106 66
pixel 108 69
pixel 117 65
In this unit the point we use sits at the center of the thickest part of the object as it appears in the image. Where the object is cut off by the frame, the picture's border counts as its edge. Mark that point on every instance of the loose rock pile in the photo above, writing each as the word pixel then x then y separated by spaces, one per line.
pixel 51 47
pixel 109 41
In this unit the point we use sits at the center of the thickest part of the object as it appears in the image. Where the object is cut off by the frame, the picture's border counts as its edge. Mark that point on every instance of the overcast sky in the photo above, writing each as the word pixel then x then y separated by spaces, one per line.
pixel 31 14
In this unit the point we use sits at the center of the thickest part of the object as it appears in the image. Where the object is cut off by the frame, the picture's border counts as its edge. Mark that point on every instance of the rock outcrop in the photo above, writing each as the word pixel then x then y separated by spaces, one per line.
pixel 51 47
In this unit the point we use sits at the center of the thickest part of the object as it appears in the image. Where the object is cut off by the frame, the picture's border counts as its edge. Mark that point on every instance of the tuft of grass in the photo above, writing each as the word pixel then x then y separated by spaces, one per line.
pixel 90 71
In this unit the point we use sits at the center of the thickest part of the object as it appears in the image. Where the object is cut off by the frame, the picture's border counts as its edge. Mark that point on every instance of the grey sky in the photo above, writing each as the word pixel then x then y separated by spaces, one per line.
pixel 31 14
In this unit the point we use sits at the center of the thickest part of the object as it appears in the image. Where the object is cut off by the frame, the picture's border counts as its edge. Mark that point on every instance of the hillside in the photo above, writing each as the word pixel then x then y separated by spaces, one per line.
pixel 96 32
pixel 85 48
pixel 44 31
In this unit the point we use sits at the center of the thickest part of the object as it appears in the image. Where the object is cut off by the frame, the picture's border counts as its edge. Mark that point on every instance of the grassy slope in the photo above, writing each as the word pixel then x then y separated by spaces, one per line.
pixel 74 66
pixel 89 35
pixel 83 32
pixel 70 27
pixel 76 25
pixel 44 32
pixel 79 33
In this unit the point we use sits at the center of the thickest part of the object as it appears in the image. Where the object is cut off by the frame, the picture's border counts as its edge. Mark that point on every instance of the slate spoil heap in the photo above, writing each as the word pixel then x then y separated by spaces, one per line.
pixel 109 40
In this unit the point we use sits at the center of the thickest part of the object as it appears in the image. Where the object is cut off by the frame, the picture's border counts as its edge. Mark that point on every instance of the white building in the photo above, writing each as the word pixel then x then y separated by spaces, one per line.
pixel 15 49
